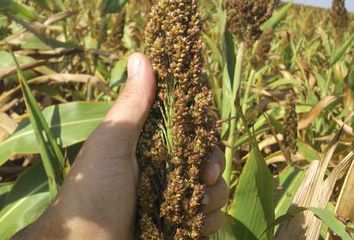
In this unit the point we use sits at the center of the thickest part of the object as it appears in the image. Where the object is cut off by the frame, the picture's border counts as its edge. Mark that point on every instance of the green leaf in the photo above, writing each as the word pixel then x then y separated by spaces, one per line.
pixel 18 9
pixel 118 74
pixel 307 151
pixel 42 3
pixel 33 42
pixel 6 60
pixel 227 230
pixel 52 157
pixel 341 52
pixel 70 123
pixel 253 205
pixel 214 48
pixel 226 103
pixel 113 6
pixel 5 188
pixel 27 200
pixel 332 222
pixel 230 54
pixel 277 17
pixel 289 182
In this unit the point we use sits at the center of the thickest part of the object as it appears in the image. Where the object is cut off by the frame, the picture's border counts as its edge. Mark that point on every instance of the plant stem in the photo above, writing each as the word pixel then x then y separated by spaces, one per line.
pixel 229 151
pixel 248 89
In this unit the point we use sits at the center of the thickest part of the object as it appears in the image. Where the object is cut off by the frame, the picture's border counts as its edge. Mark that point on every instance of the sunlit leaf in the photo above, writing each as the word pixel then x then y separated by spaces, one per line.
pixel 52 157
pixel 277 17
pixel 332 222
pixel 253 206
pixel 18 9
pixel 28 198
pixel 70 123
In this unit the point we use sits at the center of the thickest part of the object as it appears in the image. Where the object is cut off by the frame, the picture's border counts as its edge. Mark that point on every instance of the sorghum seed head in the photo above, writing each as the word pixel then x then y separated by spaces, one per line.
pixel 339 18
pixel 245 17
pixel 115 38
pixel 290 124
pixel 173 37
pixel 263 47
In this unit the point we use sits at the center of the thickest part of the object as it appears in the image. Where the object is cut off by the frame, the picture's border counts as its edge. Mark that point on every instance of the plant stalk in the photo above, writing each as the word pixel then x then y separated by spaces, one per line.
pixel 229 151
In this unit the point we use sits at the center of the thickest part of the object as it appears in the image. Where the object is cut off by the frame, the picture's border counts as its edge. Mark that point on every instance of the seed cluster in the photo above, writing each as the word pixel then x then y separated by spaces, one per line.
pixel 245 17
pixel 263 48
pixel 115 38
pixel 181 111
pixel 290 124
pixel 339 18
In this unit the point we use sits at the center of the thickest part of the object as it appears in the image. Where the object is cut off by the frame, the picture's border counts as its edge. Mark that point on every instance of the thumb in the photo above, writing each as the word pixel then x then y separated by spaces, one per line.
pixel 130 110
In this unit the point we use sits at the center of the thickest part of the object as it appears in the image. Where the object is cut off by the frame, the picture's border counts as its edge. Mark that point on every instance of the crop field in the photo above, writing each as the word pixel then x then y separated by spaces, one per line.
pixel 269 83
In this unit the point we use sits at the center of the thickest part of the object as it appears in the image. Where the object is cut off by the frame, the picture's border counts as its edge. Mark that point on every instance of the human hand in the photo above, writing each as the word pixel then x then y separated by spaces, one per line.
pixel 98 198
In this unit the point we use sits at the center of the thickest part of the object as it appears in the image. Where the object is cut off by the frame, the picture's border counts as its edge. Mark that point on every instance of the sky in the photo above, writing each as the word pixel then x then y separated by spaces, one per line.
pixel 326 3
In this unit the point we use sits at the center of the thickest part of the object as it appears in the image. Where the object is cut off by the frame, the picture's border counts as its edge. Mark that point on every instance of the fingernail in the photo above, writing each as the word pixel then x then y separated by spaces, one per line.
pixel 215 172
pixel 134 62
pixel 205 199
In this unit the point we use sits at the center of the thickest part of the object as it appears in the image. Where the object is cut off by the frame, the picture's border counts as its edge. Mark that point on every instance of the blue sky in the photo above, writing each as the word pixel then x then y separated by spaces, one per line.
pixel 326 3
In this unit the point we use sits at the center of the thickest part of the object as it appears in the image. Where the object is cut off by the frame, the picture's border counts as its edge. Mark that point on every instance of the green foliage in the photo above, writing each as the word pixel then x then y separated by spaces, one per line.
pixel 70 123
pixel 52 157
pixel 18 9
pixel 253 206
pixel 333 223
pixel 277 18
pixel 113 6
pixel 28 199
pixel 341 51
pixel 289 182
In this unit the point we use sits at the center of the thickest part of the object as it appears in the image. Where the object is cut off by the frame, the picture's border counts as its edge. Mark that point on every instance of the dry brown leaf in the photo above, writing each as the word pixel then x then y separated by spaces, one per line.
pixel 347 129
pixel 323 197
pixel 280 158
pixel 7 126
pixel 345 206
pixel 309 117
pixel 9 71
pixel 296 226
pixel 65 78
pixel 315 191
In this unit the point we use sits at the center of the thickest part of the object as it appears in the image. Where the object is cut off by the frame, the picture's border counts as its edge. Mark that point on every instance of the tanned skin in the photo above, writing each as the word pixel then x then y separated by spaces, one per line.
pixel 98 198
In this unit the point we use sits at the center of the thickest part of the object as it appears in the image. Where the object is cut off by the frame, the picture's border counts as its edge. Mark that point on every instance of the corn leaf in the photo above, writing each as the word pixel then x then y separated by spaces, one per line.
pixel 28 198
pixel 70 123
pixel 52 157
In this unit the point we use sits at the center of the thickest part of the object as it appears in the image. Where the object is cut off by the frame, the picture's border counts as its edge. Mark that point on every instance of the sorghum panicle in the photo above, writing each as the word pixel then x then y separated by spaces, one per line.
pixel 339 18
pixel 263 48
pixel 290 124
pixel 115 38
pixel 173 37
pixel 245 17
pixel 152 154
